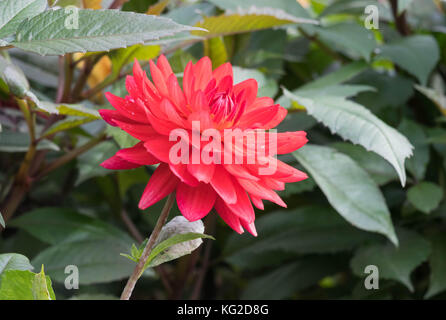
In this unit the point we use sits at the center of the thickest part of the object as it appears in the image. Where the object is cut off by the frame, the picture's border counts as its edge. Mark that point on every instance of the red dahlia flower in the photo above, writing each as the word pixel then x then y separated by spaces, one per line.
pixel 152 111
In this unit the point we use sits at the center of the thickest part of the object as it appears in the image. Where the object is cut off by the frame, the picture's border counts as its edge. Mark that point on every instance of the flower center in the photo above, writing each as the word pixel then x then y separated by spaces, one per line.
pixel 223 107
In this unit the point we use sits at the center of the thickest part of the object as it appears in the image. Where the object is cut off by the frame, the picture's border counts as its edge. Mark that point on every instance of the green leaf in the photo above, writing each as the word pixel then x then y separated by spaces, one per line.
pixel 67 124
pixel 343 74
pixel 215 49
pixel 21 285
pixel 417 164
pixel 41 288
pixel 90 244
pixel 394 263
pixel 357 124
pixel 76 110
pixel 350 38
pixel 437 262
pixel 290 278
pixel 19 142
pixel 305 230
pixel 410 54
pixel 425 196
pixel 47 33
pixel 379 169
pixel 348 188
pixel 89 162
pixel 14 261
pixel 124 56
pixel 122 138
pixel 436 96
pixel 289 6
pixel 14 12
pixel 243 21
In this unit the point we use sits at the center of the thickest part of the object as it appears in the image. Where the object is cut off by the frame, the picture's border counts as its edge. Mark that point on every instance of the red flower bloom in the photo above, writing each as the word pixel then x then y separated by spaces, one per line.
pixel 152 111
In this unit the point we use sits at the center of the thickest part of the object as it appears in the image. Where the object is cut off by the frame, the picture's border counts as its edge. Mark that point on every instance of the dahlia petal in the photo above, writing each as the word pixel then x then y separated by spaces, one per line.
pixel 249 226
pixel 164 66
pixel 138 131
pixel 228 216
pixel 259 118
pixel 277 119
pixel 195 202
pixel 222 184
pixel 180 170
pixel 161 184
pixel 239 171
pixel 222 71
pixel 287 142
pixel 110 115
pixel 188 81
pixel 125 107
pixel 247 89
pixel 261 102
pixel 203 172
pixel 138 154
pixel 160 147
pixel 257 202
pixel 176 94
pixel 117 163
pixel 203 73
pixel 158 79
pixel 243 207
pixel 132 87
pixel 260 191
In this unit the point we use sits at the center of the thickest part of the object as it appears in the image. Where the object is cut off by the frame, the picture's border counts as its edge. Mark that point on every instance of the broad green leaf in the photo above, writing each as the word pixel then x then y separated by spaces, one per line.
pixel 425 196
pixel 350 38
pixel 122 138
pixel 76 110
pixel 246 21
pixel 410 54
pixel 14 261
pixel 394 263
pixel 48 34
pixel 90 244
pixel 124 56
pixel 89 162
pixel 266 87
pixel 41 287
pixel 19 285
pixel 343 74
pixel 379 169
pixel 284 281
pixel 19 142
pixel 67 124
pixel 437 262
pixel 305 230
pixel 2 221
pixel 289 6
pixel 357 124
pixel 417 164
pixel 215 49
pixel 14 12
pixel 348 188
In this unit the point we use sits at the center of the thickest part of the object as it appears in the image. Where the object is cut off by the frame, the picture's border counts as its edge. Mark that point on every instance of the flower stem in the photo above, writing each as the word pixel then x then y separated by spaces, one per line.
pixel 127 292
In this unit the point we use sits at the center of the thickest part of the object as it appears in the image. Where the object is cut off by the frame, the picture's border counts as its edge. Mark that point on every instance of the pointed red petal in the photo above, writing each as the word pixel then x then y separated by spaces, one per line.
pixel 195 202
pixel 222 184
pixel 138 154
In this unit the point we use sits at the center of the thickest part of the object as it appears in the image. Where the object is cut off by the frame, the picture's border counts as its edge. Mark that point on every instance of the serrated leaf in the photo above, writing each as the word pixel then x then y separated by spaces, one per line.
pixel 394 263
pixel 77 110
pixel 410 54
pixel 357 124
pixel 98 30
pixel 348 188
pixel 14 261
pixel 13 12
pixel 249 20
pixel 425 196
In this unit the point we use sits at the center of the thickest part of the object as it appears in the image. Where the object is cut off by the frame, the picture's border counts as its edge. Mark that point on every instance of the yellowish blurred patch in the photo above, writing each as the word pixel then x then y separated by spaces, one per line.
pixel 158 7
pixel 92 4
pixel 304 3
